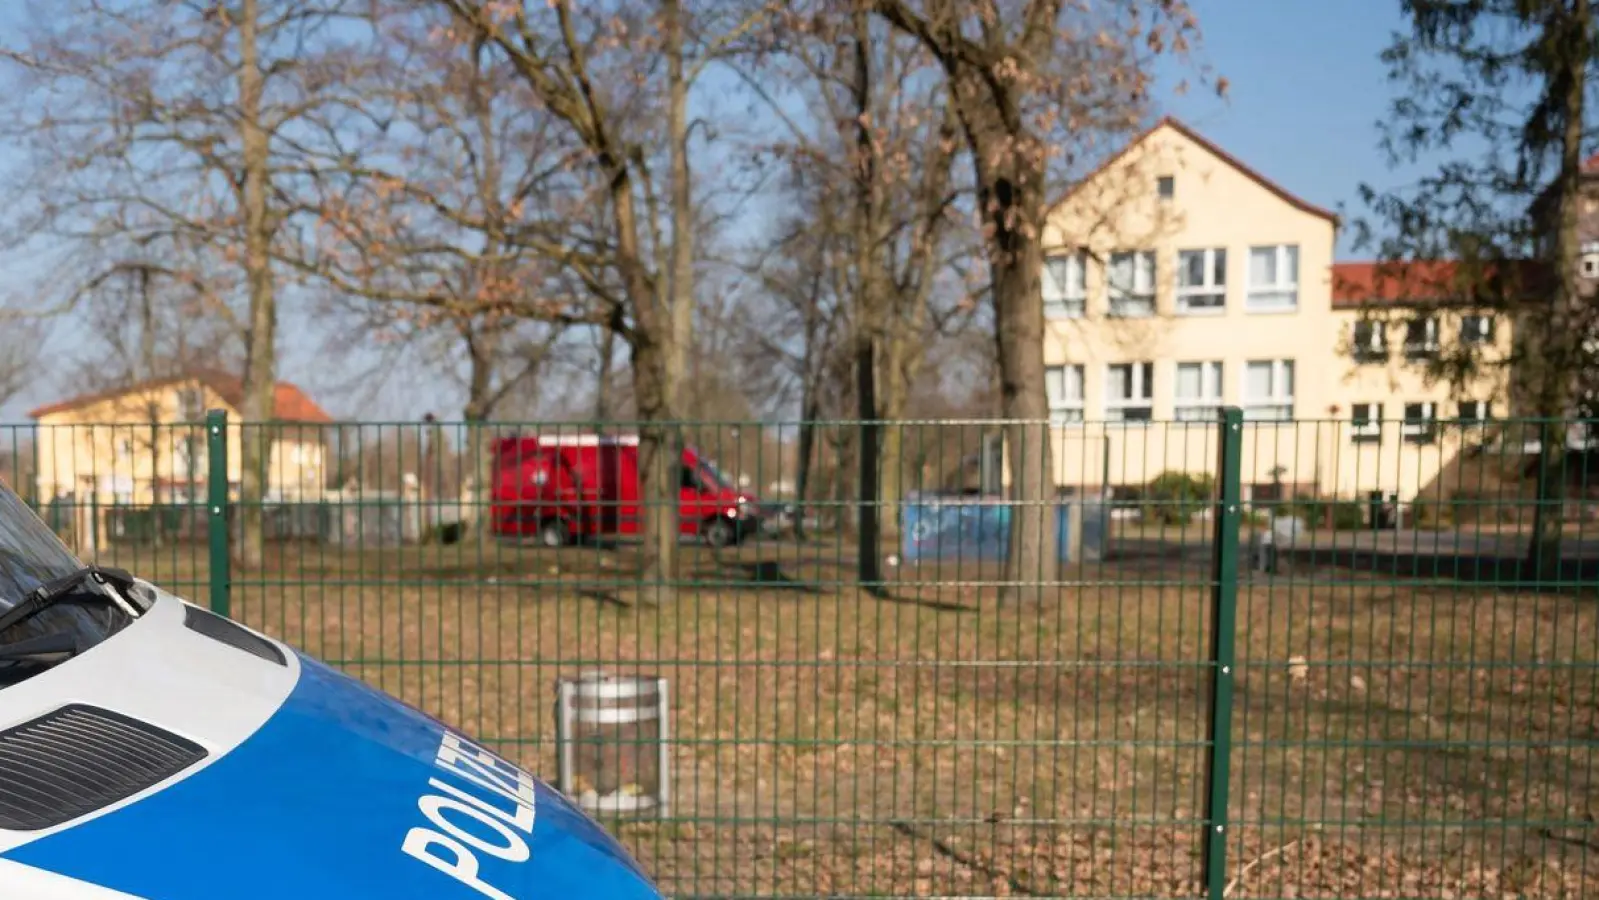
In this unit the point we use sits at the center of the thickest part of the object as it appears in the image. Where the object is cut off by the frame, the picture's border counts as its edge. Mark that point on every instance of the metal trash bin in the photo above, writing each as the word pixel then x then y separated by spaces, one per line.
pixel 1263 552
pixel 611 741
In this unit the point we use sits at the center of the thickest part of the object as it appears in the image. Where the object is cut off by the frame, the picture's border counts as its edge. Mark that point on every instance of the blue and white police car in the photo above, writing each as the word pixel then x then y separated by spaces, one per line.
pixel 150 750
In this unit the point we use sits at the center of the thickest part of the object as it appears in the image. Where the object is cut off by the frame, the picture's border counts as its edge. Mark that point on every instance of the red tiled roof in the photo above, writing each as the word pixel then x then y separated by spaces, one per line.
pixel 1361 283
pixel 1219 153
pixel 289 402
pixel 1590 165
pixel 1356 284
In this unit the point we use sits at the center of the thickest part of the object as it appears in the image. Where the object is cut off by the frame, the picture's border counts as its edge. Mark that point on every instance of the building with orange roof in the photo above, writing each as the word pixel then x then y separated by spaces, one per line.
pixel 146 442
pixel 1179 280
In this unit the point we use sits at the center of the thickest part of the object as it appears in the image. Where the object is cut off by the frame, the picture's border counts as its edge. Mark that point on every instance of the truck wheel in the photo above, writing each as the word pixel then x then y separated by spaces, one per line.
pixel 718 532
pixel 554 533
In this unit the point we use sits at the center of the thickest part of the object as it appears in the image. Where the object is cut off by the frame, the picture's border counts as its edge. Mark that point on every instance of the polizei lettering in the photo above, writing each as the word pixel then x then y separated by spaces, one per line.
pixel 484 808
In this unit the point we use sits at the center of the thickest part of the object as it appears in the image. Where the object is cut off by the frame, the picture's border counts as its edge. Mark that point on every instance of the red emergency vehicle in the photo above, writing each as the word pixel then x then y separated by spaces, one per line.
pixel 558 488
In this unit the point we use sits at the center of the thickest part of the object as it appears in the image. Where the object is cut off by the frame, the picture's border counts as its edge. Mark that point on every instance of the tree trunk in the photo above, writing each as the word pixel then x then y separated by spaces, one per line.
pixel 260 341
pixel 147 335
pixel 602 384
pixel 906 336
pixel 147 366
pixel 897 368
pixel 844 458
pixel 657 358
pixel 652 391
pixel 1013 197
pixel 1561 349
pixel 659 467
pixel 480 444
pixel 868 547
pixel 1543 553
pixel 807 453
pixel 680 304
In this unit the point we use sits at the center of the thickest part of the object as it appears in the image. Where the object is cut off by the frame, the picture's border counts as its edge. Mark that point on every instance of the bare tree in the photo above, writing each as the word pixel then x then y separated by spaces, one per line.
pixel 871 168
pixel 1034 83
pixel 19 356
pixel 418 235
pixel 589 68
pixel 193 122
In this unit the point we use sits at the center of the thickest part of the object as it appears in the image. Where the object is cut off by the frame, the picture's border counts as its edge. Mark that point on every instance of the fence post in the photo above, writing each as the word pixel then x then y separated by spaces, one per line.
pixel 1223 624
pixel 216 502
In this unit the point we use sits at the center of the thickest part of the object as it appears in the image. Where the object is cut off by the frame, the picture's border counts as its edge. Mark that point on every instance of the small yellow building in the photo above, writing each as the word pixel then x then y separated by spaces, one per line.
pixel 1178 281
pixel 147 444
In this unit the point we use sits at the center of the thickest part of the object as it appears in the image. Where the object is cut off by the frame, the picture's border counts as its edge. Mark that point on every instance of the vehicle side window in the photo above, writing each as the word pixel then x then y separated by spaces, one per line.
pixel 686 479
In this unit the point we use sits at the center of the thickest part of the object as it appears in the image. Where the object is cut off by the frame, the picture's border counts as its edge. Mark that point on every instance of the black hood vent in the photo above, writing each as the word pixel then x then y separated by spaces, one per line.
pixel 225 630
pixel 79 759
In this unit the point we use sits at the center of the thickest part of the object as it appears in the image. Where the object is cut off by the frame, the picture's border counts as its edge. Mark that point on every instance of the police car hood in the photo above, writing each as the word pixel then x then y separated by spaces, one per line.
pixel 311 786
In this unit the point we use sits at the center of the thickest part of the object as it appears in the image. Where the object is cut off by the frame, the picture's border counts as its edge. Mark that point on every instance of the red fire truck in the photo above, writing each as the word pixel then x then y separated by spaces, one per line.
pixel 560 488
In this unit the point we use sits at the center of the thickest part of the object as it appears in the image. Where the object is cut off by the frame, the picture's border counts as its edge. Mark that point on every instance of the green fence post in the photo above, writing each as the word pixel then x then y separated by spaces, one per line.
pixel 216 502
pixel 1223 625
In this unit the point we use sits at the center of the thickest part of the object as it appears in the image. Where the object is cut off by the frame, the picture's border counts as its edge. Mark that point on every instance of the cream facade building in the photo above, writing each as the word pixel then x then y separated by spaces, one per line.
pixel 1178 281
pixel 146 443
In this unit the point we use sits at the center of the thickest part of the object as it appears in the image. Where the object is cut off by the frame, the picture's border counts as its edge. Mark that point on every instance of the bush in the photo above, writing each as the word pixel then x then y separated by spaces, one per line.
pixel 1345 515
pixel 1174 497
pixel 1431 514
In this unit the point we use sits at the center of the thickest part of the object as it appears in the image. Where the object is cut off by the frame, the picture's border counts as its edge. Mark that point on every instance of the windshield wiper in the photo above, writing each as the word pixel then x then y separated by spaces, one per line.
pixel 51 592
pixel 50 648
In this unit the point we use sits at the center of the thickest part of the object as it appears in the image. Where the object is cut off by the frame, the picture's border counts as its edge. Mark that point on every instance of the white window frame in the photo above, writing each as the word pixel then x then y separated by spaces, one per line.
pixel 1367 429
pixel 1136 301
pixel 1142 383
pixel 1420 430
pixel 1256 294
pixel 1429 339
pixel 1376 348
pixel 190 401
pixel 1278 405
pixel 1484 410
pixel 1065 409
pixel 1205 407
pixel 1209 289
pixel 1590 259
pixel 1476 328
pixel 1068 300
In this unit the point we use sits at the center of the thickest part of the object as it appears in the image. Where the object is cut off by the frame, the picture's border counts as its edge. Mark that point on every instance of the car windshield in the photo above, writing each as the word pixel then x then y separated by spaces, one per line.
pixel 30 554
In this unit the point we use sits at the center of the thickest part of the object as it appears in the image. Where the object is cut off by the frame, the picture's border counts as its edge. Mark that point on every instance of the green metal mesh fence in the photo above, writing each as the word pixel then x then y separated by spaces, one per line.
pixel 1307 659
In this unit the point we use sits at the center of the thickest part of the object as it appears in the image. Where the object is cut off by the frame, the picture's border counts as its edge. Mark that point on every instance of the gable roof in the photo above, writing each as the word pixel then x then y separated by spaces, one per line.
pixel 1213 149
pixel 289 402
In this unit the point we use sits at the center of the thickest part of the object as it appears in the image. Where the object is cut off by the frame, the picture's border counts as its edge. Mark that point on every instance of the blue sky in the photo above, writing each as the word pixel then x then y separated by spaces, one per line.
pixel 1306 91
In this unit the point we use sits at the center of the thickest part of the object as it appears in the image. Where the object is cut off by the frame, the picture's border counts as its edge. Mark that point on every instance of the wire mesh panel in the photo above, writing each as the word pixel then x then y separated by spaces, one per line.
pixel 1414 657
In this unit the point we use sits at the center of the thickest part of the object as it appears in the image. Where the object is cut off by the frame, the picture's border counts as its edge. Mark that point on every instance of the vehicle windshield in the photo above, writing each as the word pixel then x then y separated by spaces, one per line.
pixel 30 554
pixel 712 477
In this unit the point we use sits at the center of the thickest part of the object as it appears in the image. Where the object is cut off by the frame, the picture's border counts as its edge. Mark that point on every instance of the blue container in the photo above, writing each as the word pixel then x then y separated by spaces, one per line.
pixel 979 529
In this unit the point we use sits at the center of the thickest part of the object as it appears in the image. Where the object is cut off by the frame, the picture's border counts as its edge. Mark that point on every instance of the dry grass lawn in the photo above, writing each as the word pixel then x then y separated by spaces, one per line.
pixel 1389 739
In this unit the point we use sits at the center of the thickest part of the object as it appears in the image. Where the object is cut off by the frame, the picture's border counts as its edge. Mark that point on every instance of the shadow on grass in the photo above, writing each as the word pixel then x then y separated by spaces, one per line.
pixel 760 575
